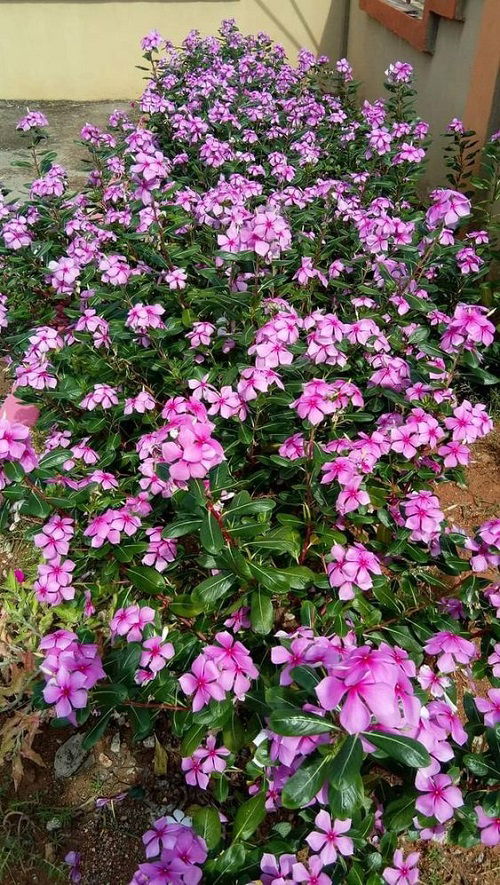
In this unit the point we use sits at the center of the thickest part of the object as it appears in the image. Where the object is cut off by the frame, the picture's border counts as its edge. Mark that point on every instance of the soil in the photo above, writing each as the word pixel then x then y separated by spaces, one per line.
pixel 468 507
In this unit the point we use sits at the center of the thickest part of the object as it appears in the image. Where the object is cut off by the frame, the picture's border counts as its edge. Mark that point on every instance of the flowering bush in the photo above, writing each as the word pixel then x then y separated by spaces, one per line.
pixel 245 335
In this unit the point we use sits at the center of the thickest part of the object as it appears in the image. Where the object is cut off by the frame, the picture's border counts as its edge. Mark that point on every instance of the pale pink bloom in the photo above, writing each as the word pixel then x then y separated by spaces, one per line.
pixel 203 682
pixel 489 826
pixel 490 706
pixel 404 871
pixel 330 839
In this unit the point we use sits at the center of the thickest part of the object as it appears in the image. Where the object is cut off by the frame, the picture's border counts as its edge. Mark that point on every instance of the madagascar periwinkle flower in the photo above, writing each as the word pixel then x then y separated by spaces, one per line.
pixel 247 333
pixel 405 870
pixel 489 826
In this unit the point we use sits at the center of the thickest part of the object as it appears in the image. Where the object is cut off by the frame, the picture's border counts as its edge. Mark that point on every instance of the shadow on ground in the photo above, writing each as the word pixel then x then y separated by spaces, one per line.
pixel 66 119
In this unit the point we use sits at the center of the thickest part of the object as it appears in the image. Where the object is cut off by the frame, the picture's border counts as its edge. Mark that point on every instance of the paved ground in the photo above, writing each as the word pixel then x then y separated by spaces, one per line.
pixel 66 118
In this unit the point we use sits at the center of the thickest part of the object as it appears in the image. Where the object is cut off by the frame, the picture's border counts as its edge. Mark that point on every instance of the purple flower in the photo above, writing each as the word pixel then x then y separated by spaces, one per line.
pixel 73 860
pixel 441 797
pixel 330 840
pixel 66 690
pixel 489 826
pixel 490 706
pixel 404 871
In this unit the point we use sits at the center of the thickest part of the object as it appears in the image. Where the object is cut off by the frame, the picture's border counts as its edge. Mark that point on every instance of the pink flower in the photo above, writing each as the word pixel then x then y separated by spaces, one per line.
pixel 203 682
pixel 441 796
pixel 312 874
pixel 214 759
pixel 130 622
pixel 490 706
pixel 102 395
pixel 330 839
pixel 193 770
pixel 66 690
pixel 155 653
pixel 404 871
pixel 452 650
pixel 352 566
pixel 234 662
pixel 32 120
pixel 352 497
pixel 489 826
pixel 275 871
pixel 176 278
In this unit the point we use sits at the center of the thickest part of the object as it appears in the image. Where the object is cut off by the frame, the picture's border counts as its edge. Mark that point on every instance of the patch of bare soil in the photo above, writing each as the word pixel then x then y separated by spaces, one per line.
pixel 468 507
pixel 108 838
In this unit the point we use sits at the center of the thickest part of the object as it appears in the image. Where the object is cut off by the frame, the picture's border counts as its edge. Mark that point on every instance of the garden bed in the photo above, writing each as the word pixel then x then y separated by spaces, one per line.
pixel 241 531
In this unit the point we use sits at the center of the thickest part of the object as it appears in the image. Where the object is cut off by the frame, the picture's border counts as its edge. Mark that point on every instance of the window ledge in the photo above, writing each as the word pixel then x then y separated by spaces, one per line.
pixel 418 32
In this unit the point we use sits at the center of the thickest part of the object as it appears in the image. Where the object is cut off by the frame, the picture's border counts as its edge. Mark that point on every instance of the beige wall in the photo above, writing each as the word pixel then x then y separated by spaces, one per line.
pixel 442 79
pixel 87 50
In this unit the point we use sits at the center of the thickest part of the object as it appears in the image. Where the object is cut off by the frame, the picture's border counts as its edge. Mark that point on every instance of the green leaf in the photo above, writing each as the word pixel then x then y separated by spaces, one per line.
pixel 233 734
pixel 296 723
pixel 127 551
pixel 243 504
pixel 185 606
pixel 261 612
pixel 347 762
pixel 142 721
pixel 230 861
pixel 212 590
pixel 110 696
pixel 404 749
pixel 399 814
pixel 270 578
pixel 181 527
pixel 96 732
pixel 206 823
pixel 481 766
pixel 346 799
pixel 34 505
pixel 210 534
pixel 249 816
pixel 307 781
pixel 192 740
pixel 146 579
pixel 54 459
pixel 306 677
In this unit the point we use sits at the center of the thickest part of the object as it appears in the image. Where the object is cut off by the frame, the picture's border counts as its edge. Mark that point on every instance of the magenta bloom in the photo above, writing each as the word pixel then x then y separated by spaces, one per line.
pixel 203 682
pixel 330 839
pixel 274 870
pixel 404 871
pixel 214 759
pixel 66 690
pixel 490 706
pixel 452 650
pixel 156 653
pixel 193 771
pixel 312 874
pixel 441 796
pixel 489 826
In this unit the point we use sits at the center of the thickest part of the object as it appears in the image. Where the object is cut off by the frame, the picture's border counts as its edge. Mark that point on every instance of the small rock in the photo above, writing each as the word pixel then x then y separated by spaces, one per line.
pixel 105 760
pixel 69 756
pixel 55 823
pixel 115 743
pixel 149 742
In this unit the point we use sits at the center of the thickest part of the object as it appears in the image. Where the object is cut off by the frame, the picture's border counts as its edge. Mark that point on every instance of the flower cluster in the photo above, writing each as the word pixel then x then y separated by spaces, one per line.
pixel 71 669
pixel 250 339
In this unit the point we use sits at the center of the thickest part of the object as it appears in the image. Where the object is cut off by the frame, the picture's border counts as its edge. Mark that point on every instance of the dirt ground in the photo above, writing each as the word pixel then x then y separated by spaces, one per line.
pixel 66 119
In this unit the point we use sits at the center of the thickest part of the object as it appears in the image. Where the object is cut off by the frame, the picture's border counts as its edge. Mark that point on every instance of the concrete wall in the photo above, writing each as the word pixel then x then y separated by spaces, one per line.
pixel 87 50
pixel 442 79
